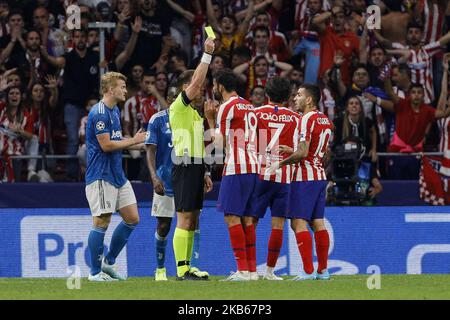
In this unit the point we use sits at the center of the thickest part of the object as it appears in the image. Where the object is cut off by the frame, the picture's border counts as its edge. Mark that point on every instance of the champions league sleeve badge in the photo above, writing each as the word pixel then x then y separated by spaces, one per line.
pixel 100 125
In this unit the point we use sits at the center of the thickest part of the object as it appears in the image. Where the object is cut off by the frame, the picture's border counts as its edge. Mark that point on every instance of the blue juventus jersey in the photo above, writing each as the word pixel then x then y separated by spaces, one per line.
pixel 104 165
pixel 159 134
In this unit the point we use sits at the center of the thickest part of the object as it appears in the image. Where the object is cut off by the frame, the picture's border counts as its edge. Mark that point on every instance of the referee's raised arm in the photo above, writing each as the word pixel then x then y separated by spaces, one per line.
pixel 199 76
pixel 193 89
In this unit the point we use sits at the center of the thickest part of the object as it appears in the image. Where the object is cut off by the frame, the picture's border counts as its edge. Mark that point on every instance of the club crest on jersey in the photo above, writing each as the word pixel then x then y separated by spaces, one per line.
pixel 100 125
pixel 116 134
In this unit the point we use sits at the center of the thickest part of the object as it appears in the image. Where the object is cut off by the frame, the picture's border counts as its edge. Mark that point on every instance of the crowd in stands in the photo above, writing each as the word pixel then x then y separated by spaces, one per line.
pixel 381 87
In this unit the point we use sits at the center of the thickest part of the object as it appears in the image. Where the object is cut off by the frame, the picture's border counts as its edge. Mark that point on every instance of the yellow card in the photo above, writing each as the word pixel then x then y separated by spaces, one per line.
pixel 210 32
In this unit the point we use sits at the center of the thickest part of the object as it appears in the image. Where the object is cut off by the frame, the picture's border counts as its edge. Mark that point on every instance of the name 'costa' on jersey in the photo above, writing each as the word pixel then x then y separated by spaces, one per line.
pixel 316 128
pixel 104 165
pixel 236 120
pixel 276 126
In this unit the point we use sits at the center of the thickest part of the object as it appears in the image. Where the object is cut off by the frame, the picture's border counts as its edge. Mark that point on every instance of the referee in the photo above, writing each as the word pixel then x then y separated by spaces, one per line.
pixel 189 177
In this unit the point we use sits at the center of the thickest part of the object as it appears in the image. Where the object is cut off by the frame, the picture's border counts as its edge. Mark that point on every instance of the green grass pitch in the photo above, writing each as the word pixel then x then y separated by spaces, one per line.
pixel 339 287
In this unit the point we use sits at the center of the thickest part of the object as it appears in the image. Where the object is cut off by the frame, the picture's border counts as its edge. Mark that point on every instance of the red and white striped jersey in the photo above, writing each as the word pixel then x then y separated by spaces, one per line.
pixel 302 14
pixel 138 110
pixel 237 122
pixel 276 126
pixel 420 63
pixel 317 129
pixel 327 103
pixel 12 143
pixel 41 129
pixel 444 125
pixel 433 18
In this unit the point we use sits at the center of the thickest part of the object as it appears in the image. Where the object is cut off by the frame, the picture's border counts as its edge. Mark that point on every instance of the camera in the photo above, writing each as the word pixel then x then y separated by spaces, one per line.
pixel 350 176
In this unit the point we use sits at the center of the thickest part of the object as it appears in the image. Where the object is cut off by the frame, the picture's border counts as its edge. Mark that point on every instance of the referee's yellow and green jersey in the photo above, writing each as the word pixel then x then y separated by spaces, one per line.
pixel 187 128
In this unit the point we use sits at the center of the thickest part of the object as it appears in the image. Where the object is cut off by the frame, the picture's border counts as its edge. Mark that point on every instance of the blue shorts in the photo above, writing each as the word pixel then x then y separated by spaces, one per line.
pixel 235 194
pixel 270 194
pixel 307 200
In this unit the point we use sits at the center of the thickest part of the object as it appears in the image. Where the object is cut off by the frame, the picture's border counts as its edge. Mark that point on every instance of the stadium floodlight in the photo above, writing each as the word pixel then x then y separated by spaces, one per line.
pixel 101 26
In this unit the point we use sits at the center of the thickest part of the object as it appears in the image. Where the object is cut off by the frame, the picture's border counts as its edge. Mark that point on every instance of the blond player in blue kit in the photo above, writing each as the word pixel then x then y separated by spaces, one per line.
pixel 107 188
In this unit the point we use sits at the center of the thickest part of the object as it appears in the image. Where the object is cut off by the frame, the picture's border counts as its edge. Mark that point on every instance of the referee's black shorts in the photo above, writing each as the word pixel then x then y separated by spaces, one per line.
pixel 188 186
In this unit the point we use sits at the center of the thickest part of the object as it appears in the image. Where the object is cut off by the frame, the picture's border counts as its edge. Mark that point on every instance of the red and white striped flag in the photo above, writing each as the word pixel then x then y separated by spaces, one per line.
pixel 434 187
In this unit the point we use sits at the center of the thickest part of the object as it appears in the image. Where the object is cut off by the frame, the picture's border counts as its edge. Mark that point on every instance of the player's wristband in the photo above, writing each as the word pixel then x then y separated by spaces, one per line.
pixel 206 58
pixel 207 170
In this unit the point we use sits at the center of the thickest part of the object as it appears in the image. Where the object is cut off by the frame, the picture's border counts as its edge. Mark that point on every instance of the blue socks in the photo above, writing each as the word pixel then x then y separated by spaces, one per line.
pixel 196 250
pixel 160 244
pixel 119 240
pixel 96 247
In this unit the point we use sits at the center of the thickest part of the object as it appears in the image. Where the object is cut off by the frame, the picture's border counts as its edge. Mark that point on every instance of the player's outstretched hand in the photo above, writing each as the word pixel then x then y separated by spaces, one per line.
pixel 208 184
pixel 158 186
pixel 282 149
pixel 209 45
pixel 140 136
pixel 210 108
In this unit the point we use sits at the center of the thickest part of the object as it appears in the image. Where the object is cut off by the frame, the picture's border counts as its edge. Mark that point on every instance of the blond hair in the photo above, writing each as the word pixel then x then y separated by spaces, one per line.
pixel 109 80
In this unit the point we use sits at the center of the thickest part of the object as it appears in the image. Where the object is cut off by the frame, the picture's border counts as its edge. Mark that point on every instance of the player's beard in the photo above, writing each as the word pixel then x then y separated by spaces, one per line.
pixel 300 106
pixel 218 96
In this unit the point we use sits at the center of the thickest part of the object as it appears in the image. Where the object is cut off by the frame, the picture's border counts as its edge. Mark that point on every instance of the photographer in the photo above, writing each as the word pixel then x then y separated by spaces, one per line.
pixel 356 132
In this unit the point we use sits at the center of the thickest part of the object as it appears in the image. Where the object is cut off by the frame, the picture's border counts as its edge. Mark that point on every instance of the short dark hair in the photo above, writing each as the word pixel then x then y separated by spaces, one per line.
pixel 148 73
pixel 260 57
pixel 223 57
pixel 83 31
pixel 41 8
pixel 181 55
pixel 262 13
pixel 263 29
pixel 230 16
pixel 184 78
pixel 33 30
pixel 403 68
pixel 312 91
pixel 416 85
pixel 360 66
pixel 15 12
pixel 377 47
pixel 278 89
pixel 227 79
pixel 415 25
pixel 242 51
